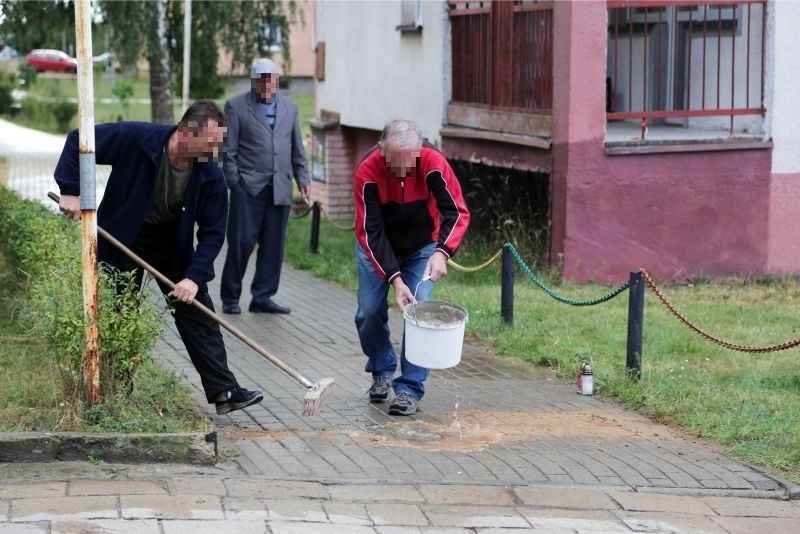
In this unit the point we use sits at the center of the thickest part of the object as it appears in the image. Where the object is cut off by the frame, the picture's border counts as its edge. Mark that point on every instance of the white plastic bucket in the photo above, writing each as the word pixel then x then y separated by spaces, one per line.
pixel 434 333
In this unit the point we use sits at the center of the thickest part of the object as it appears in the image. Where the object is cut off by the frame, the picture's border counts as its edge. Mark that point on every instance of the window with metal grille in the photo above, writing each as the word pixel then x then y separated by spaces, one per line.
pixel 699 65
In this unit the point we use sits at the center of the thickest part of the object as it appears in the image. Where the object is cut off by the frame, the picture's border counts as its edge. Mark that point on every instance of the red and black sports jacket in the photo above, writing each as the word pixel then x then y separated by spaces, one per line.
pixel 395 218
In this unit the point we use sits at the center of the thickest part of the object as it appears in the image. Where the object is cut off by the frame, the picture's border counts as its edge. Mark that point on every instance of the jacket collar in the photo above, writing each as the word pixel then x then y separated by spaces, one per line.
pixel 153 145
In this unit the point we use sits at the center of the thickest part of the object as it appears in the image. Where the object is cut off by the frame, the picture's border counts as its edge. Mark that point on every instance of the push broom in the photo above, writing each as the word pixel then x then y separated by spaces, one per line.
pixel 317 392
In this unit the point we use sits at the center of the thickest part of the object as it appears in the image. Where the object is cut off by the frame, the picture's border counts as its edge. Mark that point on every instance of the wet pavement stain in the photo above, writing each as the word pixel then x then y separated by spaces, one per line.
pixel 474 431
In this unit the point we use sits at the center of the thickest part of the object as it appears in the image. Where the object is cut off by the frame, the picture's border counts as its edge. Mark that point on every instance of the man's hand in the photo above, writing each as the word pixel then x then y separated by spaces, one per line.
pixel 184 291
pixel 305 191
pixel 70 206
pixel 402 295
pixel 437 266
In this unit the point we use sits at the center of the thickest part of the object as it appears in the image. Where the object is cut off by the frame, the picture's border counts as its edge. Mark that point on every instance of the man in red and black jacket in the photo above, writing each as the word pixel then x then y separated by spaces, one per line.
pixel 410 219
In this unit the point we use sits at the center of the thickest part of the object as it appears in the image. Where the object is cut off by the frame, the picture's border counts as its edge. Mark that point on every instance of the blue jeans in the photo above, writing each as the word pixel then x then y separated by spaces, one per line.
pixel 372 320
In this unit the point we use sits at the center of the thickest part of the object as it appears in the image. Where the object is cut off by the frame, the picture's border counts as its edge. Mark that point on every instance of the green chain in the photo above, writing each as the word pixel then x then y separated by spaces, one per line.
pixel 559 298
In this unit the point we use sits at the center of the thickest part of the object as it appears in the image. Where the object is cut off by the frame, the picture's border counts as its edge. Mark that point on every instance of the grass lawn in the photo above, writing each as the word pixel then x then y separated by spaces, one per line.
pixel 750 403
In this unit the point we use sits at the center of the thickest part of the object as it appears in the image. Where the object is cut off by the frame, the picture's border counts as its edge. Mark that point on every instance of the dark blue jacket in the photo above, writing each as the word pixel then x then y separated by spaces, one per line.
pixel 134 150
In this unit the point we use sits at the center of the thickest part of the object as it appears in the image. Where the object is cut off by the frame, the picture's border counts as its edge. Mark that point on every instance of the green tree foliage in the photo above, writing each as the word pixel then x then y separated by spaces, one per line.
pixel 154 30
pixel 245 28
pixel 46 24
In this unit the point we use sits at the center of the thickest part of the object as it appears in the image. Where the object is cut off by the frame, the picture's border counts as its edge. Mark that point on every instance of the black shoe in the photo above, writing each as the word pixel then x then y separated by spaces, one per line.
pixel 232 309
pixel 267 305
pixel 238 398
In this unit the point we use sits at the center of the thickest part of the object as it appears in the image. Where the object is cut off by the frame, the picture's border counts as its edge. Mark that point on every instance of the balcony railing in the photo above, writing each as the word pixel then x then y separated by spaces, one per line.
pixel 696 64
pixel 502 54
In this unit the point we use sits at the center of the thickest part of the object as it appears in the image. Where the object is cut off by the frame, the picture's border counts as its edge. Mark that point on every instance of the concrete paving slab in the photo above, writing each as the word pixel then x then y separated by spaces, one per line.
pixel 732 506
pixel 568 498
pixel 105 526
pixel 467 494
pixel 282 527
pixel 644 502
pixel 198 486
pixel 370 492
pixel 245 509
pixel 405 515
pixel 24 528
pixel 213 527
pixel 475 516
pixel 296 510
pixel 121 487
pixel 671 521
pixel 34 489
pixel 579 519
pixel 750 525
pixel 171 507
pixel 272 489
pixel 64 508
pixel 347 513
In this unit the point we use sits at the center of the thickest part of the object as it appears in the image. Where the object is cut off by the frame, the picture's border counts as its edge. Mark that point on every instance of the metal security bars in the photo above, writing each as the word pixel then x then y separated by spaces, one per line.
pixel 502 54
pixel 687 63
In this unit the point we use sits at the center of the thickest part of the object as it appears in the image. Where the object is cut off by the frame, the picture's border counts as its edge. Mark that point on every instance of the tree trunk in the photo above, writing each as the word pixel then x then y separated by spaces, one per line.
pixel 160 69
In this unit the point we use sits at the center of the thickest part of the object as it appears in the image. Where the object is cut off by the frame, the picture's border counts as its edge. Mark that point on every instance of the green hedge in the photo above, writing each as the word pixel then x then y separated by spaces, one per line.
pixel 45 248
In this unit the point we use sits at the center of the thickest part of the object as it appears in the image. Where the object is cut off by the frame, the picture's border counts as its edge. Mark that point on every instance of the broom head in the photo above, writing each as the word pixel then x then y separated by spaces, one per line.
pixel 316 396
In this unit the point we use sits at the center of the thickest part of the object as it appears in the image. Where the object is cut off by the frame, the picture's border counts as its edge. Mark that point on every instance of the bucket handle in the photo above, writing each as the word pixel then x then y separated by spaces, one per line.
pixel 425 279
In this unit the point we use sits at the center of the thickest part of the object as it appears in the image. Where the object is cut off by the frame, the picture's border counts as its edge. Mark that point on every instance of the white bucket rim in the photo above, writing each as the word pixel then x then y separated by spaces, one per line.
pixel 408 315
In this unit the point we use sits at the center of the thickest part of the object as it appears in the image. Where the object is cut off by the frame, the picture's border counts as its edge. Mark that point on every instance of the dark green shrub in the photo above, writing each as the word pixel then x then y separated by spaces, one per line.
pixel 63 112
pixel 27 75
pixel 7 83
pixel 506 205
pixel 123 90
pixel 46 247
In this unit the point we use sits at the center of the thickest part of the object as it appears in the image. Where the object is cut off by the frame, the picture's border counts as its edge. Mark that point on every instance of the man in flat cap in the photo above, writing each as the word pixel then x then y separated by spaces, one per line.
pixel 263 153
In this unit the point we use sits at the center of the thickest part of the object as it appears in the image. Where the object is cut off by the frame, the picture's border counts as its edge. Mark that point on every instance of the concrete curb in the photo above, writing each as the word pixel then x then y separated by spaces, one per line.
pixel 186 448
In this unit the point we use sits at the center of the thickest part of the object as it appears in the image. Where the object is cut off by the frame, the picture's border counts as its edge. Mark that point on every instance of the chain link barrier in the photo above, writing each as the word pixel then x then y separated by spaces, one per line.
pixel 301 215
pixel 476 268
pixel 591 302
pixel 334 223
pixel 718 341
pixel 558 297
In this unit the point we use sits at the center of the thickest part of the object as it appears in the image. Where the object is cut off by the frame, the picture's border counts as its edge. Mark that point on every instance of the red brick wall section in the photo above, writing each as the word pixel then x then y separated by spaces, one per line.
pixel 336 193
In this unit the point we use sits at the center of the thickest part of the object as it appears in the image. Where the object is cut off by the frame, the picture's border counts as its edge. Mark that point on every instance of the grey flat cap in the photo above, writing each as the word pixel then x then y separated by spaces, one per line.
pixel 261 66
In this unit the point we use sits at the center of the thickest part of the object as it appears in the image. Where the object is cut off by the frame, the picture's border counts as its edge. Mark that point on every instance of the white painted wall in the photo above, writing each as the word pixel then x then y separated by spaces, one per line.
pixel 373 72
pixel 783 79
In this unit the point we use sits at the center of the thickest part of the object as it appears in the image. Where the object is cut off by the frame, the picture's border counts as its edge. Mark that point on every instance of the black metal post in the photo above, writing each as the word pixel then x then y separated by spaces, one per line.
pixel 314 243
pixel 635 324
pixel 507 288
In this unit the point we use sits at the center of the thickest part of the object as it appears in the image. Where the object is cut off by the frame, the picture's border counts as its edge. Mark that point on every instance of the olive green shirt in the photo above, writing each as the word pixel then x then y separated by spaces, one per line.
pixel 169 190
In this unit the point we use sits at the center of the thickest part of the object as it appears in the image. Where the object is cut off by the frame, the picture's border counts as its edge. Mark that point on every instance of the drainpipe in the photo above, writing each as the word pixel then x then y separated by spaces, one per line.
pixel 91 346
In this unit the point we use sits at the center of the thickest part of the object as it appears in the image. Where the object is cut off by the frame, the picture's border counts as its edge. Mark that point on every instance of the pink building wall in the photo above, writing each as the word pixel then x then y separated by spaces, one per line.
pixel 676 214
pixel 784 224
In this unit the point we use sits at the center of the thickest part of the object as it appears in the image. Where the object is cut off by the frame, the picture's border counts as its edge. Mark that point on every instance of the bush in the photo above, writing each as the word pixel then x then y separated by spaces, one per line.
pixel 506 205
pixel 63 112
pixel 7 83
pixel 27 74
pixel 46 247
pixel 123 90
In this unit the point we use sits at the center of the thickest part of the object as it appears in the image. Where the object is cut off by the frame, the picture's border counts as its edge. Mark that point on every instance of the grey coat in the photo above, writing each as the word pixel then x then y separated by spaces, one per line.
pixel 255 154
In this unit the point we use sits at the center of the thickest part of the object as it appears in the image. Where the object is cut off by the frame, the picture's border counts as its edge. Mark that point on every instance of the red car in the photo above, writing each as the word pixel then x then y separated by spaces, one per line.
pixel 53 60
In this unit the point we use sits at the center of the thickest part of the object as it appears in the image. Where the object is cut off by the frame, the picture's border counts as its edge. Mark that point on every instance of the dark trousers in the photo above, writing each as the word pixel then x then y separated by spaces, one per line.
pixel 201 335
pixel 254 220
